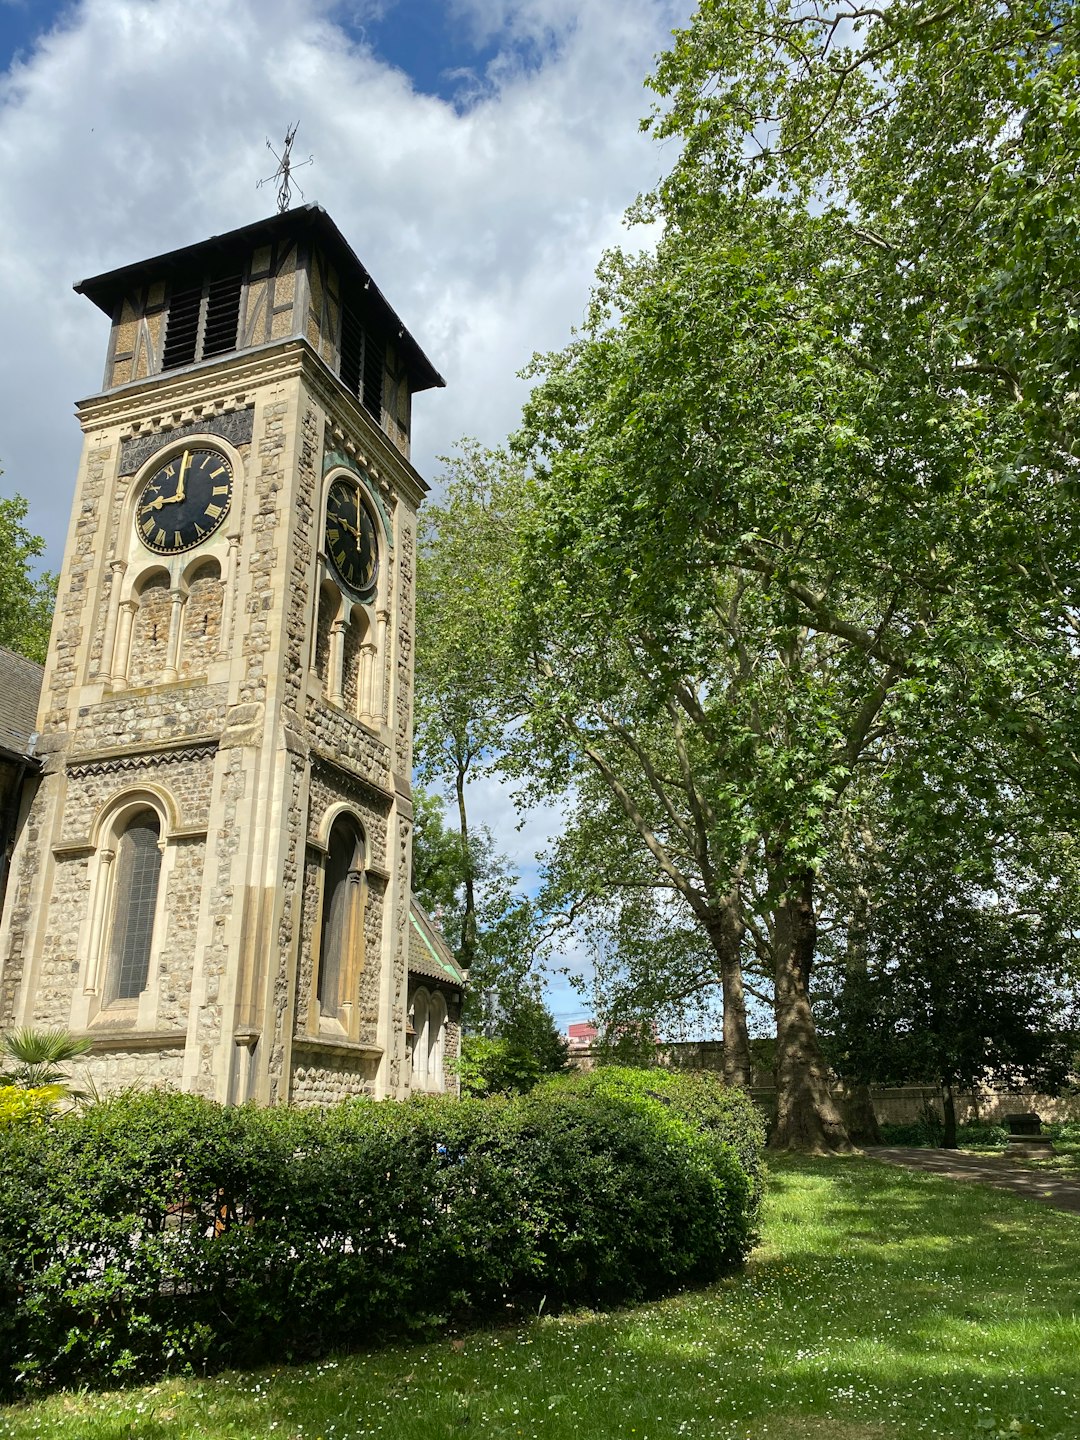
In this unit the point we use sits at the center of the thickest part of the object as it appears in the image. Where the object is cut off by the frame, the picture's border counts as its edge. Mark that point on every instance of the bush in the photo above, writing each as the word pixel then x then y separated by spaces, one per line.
pixel 722 1116
pixel 159 1231
pixel 19 1106
pixel 977 1134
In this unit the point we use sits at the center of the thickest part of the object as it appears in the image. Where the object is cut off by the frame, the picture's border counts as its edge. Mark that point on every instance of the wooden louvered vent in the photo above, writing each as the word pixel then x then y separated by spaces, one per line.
pixel 203 320
pixel 222 315
pixel 363 358
pixel 182 328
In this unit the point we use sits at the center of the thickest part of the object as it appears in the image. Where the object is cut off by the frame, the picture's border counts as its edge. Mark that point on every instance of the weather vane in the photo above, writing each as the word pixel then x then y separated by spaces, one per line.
pixel 283 174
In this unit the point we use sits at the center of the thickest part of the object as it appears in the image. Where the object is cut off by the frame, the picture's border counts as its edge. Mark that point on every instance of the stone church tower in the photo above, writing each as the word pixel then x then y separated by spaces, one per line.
pixel 212 878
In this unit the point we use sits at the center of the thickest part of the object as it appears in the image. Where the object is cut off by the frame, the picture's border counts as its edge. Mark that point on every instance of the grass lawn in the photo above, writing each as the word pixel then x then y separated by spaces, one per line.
pixel 880 1304
pixel 1065 1160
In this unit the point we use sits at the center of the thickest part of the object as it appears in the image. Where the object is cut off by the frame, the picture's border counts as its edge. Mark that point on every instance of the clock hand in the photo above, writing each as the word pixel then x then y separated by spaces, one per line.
pixel 346 526
pixel 183 471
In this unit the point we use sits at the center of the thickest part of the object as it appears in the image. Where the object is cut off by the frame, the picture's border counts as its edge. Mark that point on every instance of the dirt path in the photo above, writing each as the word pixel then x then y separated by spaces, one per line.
pixel 1061 1192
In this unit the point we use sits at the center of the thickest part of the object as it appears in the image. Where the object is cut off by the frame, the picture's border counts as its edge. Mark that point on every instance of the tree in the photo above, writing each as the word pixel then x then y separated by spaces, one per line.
pixel 960 989
pixel 26 601
pixel 460 698
pixel 804 483
pixel 507 937
pixel 525 1046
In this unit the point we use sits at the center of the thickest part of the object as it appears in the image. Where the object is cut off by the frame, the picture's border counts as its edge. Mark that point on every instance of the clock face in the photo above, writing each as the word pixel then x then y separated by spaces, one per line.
pixel 184 502
pixel 351 540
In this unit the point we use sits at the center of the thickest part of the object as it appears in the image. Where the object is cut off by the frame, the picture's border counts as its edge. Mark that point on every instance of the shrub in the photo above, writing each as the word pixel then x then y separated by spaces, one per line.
pixel 722 1115
pixel 979 1134
pixel 19 1106
pixel 159 1231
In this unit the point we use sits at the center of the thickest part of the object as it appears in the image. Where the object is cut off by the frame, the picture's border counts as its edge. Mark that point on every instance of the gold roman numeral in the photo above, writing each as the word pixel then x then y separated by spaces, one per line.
pixel 214 511
pixel 215 473
pixel 159 538
pixel 220 489
pixel 147 524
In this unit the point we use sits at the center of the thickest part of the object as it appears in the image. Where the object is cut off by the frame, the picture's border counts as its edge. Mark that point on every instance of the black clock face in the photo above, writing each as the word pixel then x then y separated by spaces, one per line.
pixel 184 502
pixel 351 541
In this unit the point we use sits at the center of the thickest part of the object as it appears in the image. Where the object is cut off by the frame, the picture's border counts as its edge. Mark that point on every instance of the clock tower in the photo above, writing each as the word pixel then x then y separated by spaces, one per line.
pixel 212 879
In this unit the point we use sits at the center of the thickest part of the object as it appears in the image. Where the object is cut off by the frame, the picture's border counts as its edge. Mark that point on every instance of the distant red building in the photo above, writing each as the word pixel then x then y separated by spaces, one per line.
pixel 582 1035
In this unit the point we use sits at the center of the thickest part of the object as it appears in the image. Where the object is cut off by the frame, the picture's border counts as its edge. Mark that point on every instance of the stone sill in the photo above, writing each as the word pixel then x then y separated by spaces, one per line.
pixel 104 1039
pixel 330 1045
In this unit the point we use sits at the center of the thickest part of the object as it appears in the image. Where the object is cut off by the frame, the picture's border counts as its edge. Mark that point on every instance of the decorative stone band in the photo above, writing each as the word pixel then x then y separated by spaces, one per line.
pixel 105 1040
pixel 130 757
pixel 236 426
pixel 350 780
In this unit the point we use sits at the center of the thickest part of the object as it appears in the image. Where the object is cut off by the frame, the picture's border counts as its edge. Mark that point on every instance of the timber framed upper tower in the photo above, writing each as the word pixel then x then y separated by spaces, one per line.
pixel 212 879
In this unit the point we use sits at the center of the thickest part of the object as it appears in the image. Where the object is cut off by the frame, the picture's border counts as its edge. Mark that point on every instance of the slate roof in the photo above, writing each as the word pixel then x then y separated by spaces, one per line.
pixel 20 688
pixel 429 954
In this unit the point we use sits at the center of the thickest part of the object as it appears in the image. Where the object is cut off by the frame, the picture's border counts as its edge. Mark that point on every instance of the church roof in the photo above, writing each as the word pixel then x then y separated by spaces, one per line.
pixel 429 954
pixel 20 687
pixel 107 290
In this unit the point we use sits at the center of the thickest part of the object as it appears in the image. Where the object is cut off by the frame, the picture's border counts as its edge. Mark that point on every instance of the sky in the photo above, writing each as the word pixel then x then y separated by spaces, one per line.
pixel 478 155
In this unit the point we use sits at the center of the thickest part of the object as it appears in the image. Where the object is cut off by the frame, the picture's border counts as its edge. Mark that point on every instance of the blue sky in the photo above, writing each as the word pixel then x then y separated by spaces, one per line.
pixel 479 155
pixel 444 49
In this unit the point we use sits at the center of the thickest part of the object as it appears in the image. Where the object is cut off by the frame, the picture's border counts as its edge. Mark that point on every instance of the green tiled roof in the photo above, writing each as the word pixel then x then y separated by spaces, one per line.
pixel 429 953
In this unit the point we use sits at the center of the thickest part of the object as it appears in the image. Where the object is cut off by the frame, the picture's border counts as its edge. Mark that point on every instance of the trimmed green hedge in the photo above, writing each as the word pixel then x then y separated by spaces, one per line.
pixel 156 1232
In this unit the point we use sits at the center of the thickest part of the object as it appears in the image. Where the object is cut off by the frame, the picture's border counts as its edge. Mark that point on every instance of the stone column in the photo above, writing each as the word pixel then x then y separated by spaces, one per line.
pixel 122 652
pixel 175 616
pixel 383 656
pixel 106 664
pixel 97 921
pixel 228 571
pixel 368 679
pixel 336 664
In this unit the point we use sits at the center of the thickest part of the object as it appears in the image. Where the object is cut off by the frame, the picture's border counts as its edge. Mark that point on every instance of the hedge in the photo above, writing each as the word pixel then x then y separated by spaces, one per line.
pixel 157 1231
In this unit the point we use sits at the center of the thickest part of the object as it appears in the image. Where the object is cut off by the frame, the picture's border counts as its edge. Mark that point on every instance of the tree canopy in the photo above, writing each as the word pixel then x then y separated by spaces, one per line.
pixel 26 600
pixel 804 514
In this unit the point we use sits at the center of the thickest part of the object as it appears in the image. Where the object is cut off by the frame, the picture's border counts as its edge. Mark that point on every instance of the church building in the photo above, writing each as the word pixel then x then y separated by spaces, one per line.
pixel 210 875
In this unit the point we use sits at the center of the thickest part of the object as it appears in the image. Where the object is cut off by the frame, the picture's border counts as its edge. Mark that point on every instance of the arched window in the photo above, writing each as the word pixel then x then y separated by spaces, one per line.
pixel 420 1040
pixel 329 605
pixel 341 952
pixel 436 1077
pixel 134 904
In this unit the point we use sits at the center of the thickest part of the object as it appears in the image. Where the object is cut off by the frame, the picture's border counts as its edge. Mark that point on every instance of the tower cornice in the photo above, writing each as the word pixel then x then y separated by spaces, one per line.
pixel 183 397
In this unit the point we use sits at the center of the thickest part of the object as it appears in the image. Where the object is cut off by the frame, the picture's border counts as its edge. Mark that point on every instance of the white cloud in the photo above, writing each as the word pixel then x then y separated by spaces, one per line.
pixel 138 125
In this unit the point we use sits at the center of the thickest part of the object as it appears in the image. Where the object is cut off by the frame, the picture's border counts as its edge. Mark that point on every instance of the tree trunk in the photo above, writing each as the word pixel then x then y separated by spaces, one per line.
pixel 948 1104
pixel 807 1116
pixel 860 1117
pixel 725 932
pixel 858 1108
pixel 468 919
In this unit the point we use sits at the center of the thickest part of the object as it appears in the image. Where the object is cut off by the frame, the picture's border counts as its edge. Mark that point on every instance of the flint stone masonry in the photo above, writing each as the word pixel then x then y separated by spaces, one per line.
pixel 326 1080
pixel 193 685
pixel 152 715
pixel 185 776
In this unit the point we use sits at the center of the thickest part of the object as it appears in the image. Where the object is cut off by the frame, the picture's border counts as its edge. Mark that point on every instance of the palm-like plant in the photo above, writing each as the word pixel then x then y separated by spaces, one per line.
pixel 35 1057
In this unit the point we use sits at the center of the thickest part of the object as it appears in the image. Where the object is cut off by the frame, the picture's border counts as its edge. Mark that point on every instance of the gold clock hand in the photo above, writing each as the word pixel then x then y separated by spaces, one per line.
pixel 183 471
